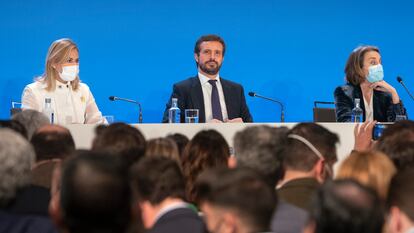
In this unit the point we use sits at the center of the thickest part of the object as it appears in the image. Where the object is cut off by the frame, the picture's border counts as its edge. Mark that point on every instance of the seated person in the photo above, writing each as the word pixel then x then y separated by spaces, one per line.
pixel 365 81
pixel 71 100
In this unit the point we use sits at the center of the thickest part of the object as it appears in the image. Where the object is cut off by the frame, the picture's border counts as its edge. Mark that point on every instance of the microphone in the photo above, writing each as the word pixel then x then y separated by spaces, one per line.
pixel 114 98
pixel 282 112
pixel 399 79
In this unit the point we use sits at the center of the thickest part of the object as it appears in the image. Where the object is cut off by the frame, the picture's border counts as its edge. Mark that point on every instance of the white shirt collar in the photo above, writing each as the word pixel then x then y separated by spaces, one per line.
pixel 204 79
pixel 177 205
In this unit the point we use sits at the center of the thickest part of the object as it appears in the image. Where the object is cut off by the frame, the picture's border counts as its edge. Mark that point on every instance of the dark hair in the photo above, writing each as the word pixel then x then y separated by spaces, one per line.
pixel 401 192
pixel 156 178
pixel 298 156
pixel 95 194
pixel 345 206
pixel 353 69
pixel 52 144
pixel 15 125
pixel 205 38
pixel 260 148
pixel 242 191
pixel 397 142
pixel 122 139
pixel 181 140
pixel 207 149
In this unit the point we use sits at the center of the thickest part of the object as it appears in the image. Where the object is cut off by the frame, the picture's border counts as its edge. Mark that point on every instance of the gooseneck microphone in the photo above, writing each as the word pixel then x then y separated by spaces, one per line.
pixel 282 112
pixel 400 80
pixel 114 98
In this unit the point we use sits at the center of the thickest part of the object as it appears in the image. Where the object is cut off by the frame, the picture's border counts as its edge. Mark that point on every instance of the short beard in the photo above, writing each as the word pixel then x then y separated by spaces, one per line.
pixel 212 71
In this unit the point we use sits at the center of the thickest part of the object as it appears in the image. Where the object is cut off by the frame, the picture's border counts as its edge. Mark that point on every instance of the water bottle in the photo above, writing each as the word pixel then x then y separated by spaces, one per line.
pixel 174 113
pixel 357 113
pixel 48 110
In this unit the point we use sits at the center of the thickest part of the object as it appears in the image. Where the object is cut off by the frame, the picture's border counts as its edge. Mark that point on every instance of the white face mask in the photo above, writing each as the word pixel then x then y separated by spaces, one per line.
pixel 69 73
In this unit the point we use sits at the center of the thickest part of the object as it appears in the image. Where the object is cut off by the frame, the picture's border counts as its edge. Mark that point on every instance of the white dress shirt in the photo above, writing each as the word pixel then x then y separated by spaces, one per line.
pixel 207 88
pixel 70 106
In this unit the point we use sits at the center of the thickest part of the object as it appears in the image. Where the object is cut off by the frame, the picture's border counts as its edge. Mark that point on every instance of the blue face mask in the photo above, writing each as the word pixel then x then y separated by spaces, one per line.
pixel 375 73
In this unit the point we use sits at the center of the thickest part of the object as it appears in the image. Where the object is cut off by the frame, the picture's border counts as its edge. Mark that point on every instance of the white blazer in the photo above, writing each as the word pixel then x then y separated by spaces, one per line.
pixel 70 106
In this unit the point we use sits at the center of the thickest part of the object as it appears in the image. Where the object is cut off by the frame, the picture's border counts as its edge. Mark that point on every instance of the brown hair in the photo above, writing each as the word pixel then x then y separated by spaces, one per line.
pixel 58 53
pixel 372 169
pixel 164 147
pixel 210 37
pixel 353 69
pixel 208 149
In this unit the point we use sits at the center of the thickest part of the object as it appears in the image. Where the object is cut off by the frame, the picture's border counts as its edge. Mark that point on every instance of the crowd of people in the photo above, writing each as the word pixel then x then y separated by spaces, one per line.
pixel 275 179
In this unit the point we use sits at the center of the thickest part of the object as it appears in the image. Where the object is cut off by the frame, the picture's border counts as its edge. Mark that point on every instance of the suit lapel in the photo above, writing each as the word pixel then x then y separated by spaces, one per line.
pixel 197 98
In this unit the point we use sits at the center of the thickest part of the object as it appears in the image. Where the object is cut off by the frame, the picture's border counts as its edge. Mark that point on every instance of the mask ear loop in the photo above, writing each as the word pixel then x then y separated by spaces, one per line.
pixel 313 148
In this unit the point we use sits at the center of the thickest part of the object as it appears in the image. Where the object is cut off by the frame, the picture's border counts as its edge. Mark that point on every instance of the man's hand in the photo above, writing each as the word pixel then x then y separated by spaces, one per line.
pixel 363 136
pixel 235 120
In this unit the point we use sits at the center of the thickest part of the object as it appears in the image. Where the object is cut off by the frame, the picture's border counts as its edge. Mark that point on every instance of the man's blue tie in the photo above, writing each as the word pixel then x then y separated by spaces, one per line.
pixel 215 101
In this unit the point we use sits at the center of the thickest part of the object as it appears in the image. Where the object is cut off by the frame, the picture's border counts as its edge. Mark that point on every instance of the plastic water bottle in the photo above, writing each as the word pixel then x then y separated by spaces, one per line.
pixel 174 113
pixel 48 110
pixel 357 111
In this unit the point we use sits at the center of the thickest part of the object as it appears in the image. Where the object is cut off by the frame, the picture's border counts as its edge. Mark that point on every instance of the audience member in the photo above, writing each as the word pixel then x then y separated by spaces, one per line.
pixel 207 149
pixel 309 157
pixel 345 206
pixel 23 208
pixel 235 200
pixel 260 148
pixel 32 120
pixel 372 169
pixel 15 126
pixel 122 139
pixel 400 203
pixel 51 143
pixel 163 147
pixel 397 141
pixel 181 140
pixel 159 189
pixel 95 195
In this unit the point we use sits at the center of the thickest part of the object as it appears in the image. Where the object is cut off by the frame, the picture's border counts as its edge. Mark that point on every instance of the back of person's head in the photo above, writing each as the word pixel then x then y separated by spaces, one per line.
pixel 16 158
pixel 15 126
pixel 345 206
pixel 373 169
pixel 300 156
pixel 207 149
pixel 397 142
pixel 154 179
pixel 95 194
pixel 260 148
pixel 239 192
pixel 401 193
pixel 181 140
pixel 32 120
pixel 163 147
pixel 122 139
pixel 52 142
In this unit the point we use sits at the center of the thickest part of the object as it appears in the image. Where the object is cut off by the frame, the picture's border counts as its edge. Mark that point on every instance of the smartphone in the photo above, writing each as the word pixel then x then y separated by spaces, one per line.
pixel 379 129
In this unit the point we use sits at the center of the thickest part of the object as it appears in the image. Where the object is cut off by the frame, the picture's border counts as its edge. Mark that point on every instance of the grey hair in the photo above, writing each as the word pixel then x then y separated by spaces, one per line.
pixel 259 148
pixel 32 120
pixel 16 158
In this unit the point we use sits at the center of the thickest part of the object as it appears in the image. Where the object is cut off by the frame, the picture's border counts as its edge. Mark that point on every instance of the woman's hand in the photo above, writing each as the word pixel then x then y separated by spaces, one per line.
pixel 385 87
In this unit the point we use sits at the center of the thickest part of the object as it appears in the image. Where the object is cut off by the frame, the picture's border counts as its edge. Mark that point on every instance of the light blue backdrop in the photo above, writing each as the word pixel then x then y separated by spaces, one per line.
pixel 293 50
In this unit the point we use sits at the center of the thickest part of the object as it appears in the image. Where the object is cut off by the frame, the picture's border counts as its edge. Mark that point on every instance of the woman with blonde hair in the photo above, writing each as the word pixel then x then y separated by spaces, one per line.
pixel 164 147
pixel 72 101
pixel 371 168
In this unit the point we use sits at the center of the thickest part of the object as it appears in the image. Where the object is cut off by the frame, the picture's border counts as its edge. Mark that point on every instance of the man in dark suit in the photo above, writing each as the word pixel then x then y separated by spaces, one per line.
pixel 159 189
pixel 217 99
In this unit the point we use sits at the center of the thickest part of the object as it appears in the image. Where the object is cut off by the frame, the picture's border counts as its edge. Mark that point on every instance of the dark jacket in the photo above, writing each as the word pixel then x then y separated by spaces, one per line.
pixel 384 109
pixel 183 220
pixel 190 96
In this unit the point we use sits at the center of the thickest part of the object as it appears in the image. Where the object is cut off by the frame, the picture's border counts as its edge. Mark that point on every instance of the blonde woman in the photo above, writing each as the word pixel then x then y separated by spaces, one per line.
pixel 372 169
pixel 71 100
